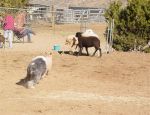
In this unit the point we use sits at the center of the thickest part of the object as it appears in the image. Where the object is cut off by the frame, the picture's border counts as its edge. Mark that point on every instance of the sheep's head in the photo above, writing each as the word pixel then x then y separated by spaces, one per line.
pixel 78 34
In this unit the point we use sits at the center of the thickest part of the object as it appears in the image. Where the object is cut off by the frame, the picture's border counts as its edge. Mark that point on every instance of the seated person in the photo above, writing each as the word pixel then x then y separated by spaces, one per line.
pixel 22 32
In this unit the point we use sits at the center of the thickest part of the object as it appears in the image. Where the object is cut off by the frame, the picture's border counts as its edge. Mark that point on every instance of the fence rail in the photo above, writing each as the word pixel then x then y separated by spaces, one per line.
pixel 64 16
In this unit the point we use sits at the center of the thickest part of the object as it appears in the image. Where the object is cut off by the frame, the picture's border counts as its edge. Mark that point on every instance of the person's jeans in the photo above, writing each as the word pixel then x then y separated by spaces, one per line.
pixel 28 32
pixel 8 34
pixel 0 45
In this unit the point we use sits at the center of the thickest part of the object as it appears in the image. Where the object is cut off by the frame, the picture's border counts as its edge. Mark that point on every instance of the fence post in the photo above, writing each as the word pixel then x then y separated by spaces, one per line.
pixel 109 36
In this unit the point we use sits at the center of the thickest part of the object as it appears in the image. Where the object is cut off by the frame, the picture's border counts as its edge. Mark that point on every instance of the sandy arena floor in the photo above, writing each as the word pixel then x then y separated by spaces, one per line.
pixel 116 84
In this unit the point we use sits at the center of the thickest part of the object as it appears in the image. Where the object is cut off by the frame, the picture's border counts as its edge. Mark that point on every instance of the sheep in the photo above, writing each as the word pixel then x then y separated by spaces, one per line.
pixel 37 69
pixel 73 39
pixel 2 40
pixel 86 42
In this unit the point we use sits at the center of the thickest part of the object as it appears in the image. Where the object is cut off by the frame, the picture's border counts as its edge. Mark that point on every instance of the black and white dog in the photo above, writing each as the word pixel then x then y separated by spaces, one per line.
pixel 37 69
pixel 2 40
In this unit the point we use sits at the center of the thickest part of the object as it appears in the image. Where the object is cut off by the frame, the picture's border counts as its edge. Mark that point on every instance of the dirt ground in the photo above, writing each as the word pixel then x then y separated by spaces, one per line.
pixel 116 84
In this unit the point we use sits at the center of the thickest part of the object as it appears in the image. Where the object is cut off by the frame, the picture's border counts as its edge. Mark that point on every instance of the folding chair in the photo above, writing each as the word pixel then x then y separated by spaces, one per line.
pixel 2 40
pixel 19 36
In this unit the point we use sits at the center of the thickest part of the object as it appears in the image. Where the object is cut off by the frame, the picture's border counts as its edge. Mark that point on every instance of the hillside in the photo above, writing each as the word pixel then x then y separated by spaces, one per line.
pixel 67 3
pixel 85 3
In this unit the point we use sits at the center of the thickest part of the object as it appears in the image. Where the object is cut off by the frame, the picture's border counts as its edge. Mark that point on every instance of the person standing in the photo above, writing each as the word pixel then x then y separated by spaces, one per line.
pixel 8 26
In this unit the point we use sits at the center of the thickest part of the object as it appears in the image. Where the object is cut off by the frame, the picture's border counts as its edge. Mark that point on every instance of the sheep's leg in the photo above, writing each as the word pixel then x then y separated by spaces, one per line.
pixel 95 52
pixel 87 51
pixel 100 51
pixel 80 51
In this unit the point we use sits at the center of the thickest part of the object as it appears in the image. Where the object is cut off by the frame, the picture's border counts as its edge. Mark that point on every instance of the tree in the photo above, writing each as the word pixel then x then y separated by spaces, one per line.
pixel 13 3
pixel 132 23
pixel 113 11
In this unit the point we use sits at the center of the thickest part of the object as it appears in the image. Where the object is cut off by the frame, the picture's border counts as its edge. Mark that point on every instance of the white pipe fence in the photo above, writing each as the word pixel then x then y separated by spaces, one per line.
pixel 61 16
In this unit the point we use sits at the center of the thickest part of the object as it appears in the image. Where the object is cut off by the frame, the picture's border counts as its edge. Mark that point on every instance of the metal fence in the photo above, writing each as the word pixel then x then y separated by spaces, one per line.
pixel 37 14
pixel 77 16
pixel 34 14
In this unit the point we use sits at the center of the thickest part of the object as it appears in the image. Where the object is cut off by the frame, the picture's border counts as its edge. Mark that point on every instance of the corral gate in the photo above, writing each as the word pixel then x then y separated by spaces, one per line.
pixel 76 16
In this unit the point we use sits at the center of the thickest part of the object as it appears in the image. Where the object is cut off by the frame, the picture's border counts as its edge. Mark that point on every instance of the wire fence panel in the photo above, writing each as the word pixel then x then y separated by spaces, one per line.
pixel 37 14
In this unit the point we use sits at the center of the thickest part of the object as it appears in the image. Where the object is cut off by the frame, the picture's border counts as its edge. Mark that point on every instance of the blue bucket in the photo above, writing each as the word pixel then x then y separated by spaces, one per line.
pixel 56 47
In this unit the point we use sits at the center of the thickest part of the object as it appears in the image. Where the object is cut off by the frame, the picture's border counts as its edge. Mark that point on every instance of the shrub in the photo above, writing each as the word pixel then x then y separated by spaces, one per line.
pixel 132 24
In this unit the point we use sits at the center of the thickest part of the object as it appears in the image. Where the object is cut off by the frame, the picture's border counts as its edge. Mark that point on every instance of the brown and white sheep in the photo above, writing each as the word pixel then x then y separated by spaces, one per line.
pixel 72 40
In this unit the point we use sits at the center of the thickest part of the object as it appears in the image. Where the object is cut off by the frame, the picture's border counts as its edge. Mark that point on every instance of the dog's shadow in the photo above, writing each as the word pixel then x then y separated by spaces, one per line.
pixel 71 53
pixel 66 52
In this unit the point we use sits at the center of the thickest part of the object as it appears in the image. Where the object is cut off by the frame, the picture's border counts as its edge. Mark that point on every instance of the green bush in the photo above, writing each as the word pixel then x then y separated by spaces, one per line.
pixel 131 24
pixel 147 50
pixel 123 43
pixel 13 3
pixel 126 43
